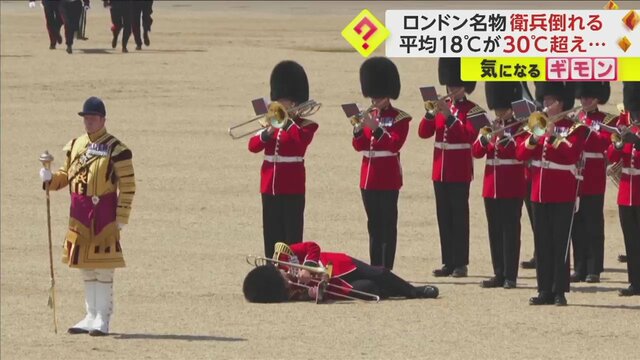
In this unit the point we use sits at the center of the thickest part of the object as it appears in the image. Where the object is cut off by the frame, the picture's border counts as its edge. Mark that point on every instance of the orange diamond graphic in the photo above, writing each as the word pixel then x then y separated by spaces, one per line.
pixel 631 19
pixel 611 5
pixel 624 44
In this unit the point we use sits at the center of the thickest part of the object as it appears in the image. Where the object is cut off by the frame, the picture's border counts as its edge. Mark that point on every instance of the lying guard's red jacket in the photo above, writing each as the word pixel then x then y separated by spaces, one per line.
pixel 308 253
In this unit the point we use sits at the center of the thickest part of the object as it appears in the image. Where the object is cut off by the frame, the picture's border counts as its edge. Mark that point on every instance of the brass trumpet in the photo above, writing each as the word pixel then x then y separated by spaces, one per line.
pixel 321 286
pixel 432 105
pixel 357 119
pixel 277 116
pixel 539 120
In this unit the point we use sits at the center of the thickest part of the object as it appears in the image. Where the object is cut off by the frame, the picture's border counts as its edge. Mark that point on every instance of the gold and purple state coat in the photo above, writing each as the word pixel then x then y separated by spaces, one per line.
pixel 98 169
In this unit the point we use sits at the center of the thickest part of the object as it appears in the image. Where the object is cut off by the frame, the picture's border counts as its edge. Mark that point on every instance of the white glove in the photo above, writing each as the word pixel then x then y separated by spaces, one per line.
pixel 87 7
pixel 32 4
pixel 45 175
pixel 121 226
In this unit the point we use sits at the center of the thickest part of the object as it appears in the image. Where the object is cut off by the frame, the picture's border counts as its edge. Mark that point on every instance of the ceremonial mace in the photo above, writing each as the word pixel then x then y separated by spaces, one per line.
pixel 46 159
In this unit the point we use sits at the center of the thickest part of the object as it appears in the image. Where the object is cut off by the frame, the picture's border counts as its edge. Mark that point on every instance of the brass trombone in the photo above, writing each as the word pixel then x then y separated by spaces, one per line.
pixel 277 116
pixel 432 105
pixel 321 286
pixel 539 120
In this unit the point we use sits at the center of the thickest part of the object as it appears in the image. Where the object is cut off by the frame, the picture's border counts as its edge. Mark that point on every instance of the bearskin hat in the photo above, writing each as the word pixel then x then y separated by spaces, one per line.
pixel 631 95
pixel 594 89
pixel 500 95
pixel 289 81
pixel 560 90
pixel 449 74
pixel 264 284
pixel 379 78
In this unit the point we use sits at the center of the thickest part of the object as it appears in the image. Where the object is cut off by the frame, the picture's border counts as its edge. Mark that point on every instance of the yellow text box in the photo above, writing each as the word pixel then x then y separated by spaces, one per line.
pixel 503 69
pixel 629 69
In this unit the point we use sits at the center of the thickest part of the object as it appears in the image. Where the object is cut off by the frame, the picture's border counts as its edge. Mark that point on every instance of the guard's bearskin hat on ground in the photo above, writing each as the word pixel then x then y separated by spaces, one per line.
pixel 264 284
pixel 289 81
pixel 500 95
pixel 449 74
pixel 594 89
pixel 631 95
pixel 561 91
pixel 379 78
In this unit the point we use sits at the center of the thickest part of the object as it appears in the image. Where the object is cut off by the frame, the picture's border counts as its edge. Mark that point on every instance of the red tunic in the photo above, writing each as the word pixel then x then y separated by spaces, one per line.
pixel 553 170
pixel 629 187
pixel 452 161
pixel 504 176
pixel 283 169
pixel 594 173
pixel 381 169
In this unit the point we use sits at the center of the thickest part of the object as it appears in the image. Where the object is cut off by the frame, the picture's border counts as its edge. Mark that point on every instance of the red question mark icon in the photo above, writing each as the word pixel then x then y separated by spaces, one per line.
pixel 372 29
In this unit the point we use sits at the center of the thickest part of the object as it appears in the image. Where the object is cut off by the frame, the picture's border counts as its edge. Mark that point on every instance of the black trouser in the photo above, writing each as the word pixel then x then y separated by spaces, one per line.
pixel 282 220
pixel 552 245
pixel 378 280
pixel 587 236
pixel 527 203
pixel 121 12
pixel 70 11
pixel 53 18
pixel 141 9
pixel 452 210
pixel 382 222
pixel 503 218
pixel 630 222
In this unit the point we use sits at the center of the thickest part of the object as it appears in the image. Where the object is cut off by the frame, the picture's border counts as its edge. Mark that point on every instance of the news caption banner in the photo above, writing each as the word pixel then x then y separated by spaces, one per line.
pixel 511 45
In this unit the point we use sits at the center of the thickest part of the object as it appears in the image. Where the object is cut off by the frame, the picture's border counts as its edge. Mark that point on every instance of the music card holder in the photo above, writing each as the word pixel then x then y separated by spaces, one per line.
pixel 350 109
pixel 479 120
pixel 522 108
pixel 429 93
pixel 260 105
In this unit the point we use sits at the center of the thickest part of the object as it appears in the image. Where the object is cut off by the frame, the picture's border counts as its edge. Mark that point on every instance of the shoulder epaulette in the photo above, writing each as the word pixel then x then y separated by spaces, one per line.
pixel 306 122
pixel 475 110
pixel 610 119
pixel 401 116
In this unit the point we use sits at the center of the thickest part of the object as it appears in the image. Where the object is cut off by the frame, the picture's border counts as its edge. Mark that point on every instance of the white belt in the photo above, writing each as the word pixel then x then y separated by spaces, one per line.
pixel 631 171
pixel 283 159
pixel 551 165
pixel 376 154
pixel 447 146
pixel 498 162
pixel 593 155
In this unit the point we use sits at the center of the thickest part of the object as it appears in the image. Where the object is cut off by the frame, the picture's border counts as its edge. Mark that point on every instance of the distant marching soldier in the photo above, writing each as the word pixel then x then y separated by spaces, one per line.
pixel 379 137
pixel 53 20
pixel 628 151
pixel 452 165
pixel 142 10
pixel 504 184
pixel 588 226
pixel 554 157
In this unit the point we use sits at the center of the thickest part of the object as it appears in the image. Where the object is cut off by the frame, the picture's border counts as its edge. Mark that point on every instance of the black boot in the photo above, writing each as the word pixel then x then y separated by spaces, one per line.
pixel 460 271
pixel 543 298
pixel 531 264
pixel 560 300
pixel 427 292
pixel 494 282
pixel 576 277
pixel 630 291
pixel 69 50
pixel 52 46
pixel 622 258
pixel 444 271
pixel 145 35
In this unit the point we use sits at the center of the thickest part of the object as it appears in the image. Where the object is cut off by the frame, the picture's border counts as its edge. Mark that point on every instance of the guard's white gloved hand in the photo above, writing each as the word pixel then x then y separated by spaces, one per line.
pixel 87 7
pixel 45 174
pixel 121 226
pixel 32 4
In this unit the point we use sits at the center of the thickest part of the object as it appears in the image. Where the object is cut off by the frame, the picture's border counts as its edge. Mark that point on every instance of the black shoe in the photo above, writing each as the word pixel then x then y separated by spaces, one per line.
pixel 138 47
pixel 576 277
pixel 444 271
pixel 530 264
pixel 630 291
pixel 542 299
pixel 52 46
pixel 97 333
pixel 114 41
pixel 622 258
pixel 560 300
pixel 460 271
pixel 75 330
pixel 147 42
pixel 593 278
pixel 494 282
pixel 427 292
pixel 69 50
pixel 509 284
pixel 59 38
pixel 124 49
